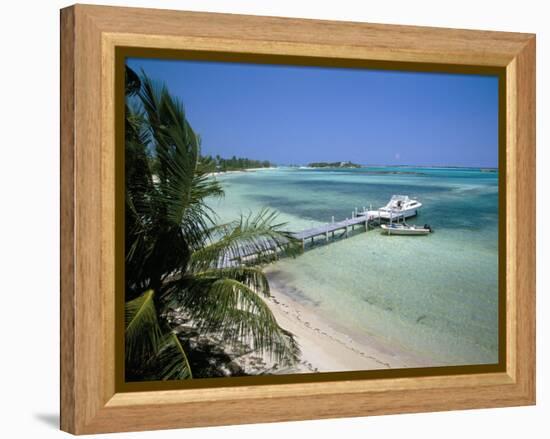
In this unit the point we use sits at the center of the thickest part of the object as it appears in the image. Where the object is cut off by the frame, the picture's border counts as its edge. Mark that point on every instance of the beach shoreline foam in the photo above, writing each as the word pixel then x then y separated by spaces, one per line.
pixel 325 347
pixel 238 171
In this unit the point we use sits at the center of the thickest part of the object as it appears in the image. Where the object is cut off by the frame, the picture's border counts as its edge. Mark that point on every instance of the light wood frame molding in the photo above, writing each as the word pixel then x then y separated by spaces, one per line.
pixel 89 37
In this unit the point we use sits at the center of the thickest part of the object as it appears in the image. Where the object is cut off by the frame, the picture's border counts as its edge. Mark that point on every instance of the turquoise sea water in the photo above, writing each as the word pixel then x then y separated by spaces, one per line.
pixel 435 296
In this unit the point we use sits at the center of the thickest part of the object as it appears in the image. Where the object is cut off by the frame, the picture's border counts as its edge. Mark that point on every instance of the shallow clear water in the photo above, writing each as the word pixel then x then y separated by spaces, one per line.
pixel 436 295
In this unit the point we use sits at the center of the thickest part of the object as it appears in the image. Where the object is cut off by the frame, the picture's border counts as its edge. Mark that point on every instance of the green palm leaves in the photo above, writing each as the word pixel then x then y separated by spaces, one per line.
pixel 177 257
pixel 172 360
pixel 142 331
pixel 149 352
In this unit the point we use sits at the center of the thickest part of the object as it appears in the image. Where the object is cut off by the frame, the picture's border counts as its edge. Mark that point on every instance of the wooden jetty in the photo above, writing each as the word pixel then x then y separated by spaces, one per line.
pixel 329 229
pixel 365 218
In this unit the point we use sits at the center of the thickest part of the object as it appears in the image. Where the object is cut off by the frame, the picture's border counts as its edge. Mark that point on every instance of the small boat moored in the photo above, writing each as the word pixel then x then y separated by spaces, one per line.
pixel 405 229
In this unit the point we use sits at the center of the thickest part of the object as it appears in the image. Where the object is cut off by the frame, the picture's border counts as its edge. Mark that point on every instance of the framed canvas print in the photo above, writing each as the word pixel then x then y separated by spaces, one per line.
pixel 268 219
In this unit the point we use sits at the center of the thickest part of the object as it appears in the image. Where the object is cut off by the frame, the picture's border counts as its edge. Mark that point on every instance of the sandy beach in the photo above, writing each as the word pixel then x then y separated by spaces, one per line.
pixel 327 348
pixel 324 346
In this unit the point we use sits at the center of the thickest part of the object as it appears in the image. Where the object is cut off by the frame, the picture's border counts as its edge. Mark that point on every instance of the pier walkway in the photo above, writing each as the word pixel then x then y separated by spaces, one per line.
pixel 365 219
pixel 329 229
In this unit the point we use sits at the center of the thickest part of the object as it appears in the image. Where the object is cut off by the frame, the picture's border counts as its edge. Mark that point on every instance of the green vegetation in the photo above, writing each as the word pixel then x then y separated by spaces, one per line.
pixel 178 259
pixel 219 164
pixel 334 165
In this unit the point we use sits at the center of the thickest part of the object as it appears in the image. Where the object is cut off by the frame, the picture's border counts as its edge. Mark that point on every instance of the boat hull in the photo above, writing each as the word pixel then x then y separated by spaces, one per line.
pixel 385 216
pixel 411 231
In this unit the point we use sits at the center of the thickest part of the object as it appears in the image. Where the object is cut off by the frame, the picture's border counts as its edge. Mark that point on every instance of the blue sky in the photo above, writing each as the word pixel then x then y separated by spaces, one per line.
pixel 297 115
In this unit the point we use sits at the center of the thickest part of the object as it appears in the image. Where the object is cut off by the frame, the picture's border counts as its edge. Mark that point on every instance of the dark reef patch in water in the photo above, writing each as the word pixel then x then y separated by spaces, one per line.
pixel 279 280
pixel 348 195
pixel 386 305
pixel 422 317
pixel 472 209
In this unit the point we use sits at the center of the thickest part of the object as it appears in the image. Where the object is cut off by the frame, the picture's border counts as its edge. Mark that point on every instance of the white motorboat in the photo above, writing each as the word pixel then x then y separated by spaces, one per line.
pixel 399 207
pixel 405 229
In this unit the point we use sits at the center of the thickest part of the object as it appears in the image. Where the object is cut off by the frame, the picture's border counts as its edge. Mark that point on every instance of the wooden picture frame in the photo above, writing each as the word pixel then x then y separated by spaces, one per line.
pixel 91 402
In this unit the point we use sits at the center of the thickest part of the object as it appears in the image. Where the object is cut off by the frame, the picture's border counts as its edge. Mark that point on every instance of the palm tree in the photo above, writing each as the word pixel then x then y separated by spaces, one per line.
pixel 178 257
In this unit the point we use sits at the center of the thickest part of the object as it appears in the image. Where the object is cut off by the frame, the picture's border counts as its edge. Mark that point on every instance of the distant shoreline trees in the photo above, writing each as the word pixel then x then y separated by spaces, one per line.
pixel 220 164
pixel 334 165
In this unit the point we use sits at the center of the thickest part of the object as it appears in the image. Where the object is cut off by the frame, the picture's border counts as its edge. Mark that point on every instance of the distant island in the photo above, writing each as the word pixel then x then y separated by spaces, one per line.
pixel 220 164
pixel 334 165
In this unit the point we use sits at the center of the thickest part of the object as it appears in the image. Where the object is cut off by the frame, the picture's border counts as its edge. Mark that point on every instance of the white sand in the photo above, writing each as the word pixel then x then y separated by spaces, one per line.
pixel 327 349
pixel 239 171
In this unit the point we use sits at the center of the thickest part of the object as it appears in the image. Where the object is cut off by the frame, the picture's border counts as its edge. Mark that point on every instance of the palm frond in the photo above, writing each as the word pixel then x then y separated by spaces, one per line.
pixel 253 277
pixel 142 330
pixel 132 82
pixel 171 362
pixel 182 185
pixel 251 240
pixel 236 311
